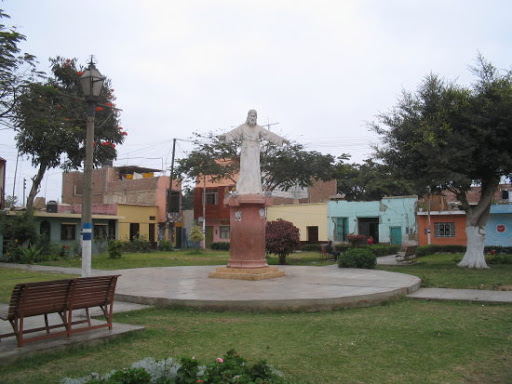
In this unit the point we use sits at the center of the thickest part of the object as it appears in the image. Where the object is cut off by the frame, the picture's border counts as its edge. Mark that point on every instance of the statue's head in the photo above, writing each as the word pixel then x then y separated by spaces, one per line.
pixel 252 117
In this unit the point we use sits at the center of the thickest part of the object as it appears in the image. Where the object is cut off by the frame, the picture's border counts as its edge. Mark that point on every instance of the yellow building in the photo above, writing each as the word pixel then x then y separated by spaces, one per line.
pixel 138 220
pixel 311 219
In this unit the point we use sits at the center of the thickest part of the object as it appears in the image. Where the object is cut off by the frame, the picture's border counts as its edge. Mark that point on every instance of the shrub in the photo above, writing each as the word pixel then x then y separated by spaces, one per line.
pixel 221 246
pixel 231 368
pixel 432 249
pixel 115 249
pixel 357 258
pixel 311 247
pixel 384 249
pixel 165 246
pixel 498 258
pixel 139 244
pixel 498 249
pixel 31 255
pixel 281 238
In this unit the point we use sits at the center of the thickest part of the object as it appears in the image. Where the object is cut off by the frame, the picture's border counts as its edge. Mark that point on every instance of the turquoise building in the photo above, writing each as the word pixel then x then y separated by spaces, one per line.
pixel 391 220
pixel 498 231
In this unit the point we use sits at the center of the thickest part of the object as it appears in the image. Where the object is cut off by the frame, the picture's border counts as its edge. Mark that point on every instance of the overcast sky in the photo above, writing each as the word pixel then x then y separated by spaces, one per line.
pixel 319 70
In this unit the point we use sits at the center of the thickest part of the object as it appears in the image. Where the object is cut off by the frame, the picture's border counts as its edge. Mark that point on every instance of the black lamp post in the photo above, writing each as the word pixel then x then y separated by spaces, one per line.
pixel 92 83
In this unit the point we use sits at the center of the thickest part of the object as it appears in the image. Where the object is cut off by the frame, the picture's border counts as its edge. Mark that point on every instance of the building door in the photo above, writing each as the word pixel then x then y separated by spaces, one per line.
pixel 208 237
pixel 341 228
pixel 369 227
pixel 134 230
pixel 395 237
pixel 179 237
pixel 152 240
pixel 312 234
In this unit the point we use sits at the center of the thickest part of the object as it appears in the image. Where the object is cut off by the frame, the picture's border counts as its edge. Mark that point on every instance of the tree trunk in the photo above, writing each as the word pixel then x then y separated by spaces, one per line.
pixel 476 219
pixel 36 182
pixel 474 256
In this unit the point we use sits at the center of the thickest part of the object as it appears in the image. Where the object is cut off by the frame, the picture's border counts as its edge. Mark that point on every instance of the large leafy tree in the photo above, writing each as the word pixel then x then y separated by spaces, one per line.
pixel 281 167
pixel 370 181
pixel 50 119
pixel 446 136
pixel 16 68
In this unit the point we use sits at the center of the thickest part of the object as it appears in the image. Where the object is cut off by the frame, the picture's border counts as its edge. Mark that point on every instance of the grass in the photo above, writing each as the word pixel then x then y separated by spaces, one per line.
pixel 403 341
pixel 179 258
pixel 9 277
pixel 441 271
pixel 146 260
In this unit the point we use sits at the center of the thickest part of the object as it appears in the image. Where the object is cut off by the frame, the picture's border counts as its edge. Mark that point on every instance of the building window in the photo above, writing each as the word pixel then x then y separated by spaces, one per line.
pixel 211 197
pixel 444 229
pixel 224 232
pixel 77 189
pixel 67 231
pixel 100 231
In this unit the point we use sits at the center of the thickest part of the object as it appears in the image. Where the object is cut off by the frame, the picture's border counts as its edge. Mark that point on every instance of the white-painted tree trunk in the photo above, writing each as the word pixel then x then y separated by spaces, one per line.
pixel 474 256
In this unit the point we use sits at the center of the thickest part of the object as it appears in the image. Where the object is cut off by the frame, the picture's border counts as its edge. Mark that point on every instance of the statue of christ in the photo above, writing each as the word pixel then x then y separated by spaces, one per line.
pixel 251 134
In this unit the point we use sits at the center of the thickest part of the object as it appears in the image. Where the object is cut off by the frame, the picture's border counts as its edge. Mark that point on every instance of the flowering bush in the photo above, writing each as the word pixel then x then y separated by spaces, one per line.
pixel 356 240
pixel 231 368
pixel 281 238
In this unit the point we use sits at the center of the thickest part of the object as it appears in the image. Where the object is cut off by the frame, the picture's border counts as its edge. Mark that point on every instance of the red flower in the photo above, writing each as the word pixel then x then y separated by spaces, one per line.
pixel 112 145
pixel 80 73
pixel 124 133
pixel 109 104
pixel 99 109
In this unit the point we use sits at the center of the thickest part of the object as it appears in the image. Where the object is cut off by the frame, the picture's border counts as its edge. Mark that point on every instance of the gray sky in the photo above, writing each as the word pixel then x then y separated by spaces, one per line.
pixel 321 69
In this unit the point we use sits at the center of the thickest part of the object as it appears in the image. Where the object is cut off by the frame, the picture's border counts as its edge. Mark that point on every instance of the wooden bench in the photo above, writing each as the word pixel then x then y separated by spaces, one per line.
pixel 60 297
pixel 409 256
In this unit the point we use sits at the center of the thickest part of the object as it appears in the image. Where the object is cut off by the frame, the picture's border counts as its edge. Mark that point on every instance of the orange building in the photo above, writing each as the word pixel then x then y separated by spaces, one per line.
pixel 446 228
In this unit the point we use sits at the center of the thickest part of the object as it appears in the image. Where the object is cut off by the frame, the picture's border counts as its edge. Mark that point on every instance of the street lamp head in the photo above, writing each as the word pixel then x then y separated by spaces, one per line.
pixel 91 82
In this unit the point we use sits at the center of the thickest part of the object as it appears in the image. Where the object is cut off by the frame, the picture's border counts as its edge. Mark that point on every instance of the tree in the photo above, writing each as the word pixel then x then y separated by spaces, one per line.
pixel 50 120
pixel 450 137
pixel 196 235
pixel 370 181
pixel 281 238
pixel 281 167
pixel 15 69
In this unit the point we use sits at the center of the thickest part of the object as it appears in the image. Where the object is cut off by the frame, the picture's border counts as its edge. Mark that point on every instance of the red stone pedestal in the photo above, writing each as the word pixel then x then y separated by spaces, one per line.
pixel 247 250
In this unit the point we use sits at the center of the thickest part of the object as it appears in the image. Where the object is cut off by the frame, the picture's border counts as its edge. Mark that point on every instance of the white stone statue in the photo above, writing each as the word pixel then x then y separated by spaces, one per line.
pixel 249 179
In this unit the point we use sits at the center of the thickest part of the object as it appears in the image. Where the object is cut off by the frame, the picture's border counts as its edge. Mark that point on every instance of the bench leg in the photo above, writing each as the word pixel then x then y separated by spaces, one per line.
pixel 17 326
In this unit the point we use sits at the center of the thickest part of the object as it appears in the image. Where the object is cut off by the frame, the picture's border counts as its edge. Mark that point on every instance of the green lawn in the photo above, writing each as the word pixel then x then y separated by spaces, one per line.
pixel 401 341
pixel 441 271
pixel 179 258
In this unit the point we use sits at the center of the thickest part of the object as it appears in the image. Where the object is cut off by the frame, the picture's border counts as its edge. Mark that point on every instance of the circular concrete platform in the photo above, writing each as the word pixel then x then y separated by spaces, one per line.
pixel 301 289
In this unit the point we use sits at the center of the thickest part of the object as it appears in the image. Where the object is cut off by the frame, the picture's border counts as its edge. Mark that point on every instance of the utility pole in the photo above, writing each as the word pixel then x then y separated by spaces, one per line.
pixel 269 124
pixel 170 223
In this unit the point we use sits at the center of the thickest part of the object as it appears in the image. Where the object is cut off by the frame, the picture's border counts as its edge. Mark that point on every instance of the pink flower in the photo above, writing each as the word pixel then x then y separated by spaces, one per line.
pixel 220 360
